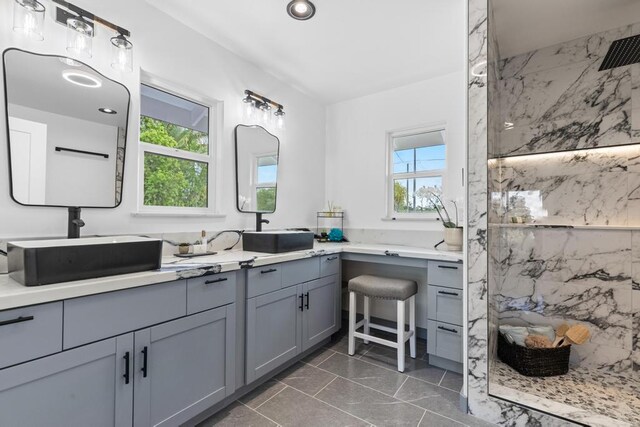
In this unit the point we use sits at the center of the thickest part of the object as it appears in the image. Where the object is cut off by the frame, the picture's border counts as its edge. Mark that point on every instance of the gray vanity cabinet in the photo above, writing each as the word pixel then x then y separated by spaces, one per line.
pixel 320 315
pixel 283 323
pixel 184 367
pixel 85 386
pixel 273 330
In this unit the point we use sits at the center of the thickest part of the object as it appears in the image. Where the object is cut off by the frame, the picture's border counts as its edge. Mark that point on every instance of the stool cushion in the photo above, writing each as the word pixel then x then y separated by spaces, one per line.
pixel 383 287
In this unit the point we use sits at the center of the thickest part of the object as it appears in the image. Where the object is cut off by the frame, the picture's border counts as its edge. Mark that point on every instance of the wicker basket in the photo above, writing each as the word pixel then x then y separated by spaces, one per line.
pixel 534 362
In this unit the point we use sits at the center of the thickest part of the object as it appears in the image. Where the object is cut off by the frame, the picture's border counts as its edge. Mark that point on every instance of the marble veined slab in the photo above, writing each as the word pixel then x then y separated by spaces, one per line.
pixel 551 276
pixel 584 48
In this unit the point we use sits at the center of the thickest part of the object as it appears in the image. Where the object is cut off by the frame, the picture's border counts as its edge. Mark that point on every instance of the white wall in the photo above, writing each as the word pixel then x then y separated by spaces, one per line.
pixel 356 146
pixel 172 51
pixel 76 179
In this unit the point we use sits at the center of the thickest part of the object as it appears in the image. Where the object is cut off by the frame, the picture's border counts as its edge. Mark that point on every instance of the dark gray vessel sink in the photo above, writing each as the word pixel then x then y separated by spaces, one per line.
pixel 275 242
pixel 42 262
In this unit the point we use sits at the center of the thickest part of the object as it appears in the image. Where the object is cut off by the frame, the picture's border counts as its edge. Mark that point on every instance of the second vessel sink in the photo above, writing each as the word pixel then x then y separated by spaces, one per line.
pixel 275 242
pixel 42 262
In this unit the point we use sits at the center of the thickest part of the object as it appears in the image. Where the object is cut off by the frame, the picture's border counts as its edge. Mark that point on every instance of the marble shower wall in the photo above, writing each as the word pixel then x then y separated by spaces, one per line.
pixel 555 98
pixel 550 100
pixel 555 275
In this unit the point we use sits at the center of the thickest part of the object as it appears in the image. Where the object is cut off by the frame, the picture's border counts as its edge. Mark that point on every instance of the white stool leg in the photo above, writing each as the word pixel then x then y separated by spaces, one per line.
pixel 352 323
pixel 366 317
pixel 400 332
pixel 412 326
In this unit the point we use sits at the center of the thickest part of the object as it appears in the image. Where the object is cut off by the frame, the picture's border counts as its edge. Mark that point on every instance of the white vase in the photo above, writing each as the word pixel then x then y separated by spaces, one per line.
pixel 453 238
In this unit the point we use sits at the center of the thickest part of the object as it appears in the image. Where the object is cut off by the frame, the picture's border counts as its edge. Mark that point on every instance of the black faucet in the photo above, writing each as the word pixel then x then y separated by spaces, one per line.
pixel 74 224
pixel 260 221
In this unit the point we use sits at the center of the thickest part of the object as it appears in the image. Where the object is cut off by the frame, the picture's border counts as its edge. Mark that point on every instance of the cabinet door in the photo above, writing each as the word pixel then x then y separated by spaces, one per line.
pixel 273 330
pixel 319 319
pixel 183 367
pixel 81 387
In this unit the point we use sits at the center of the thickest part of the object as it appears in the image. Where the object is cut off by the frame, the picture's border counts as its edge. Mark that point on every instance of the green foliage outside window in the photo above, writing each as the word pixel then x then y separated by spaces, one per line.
pixel 266 198
pixel 171 181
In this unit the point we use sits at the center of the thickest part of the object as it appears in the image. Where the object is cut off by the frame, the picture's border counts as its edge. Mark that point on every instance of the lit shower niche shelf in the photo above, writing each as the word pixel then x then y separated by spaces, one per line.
pixel 585 150
pixel 566 226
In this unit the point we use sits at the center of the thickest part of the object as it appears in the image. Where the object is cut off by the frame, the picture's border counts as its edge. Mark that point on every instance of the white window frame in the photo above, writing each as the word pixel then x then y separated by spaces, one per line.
pixel 391 176
pixel 212 158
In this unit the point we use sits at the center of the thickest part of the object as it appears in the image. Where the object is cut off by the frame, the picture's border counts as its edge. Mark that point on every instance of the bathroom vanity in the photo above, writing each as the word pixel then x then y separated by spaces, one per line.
pixel 111 351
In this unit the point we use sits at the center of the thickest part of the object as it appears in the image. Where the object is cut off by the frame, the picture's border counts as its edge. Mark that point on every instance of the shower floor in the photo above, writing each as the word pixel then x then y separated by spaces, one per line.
pixel 592 397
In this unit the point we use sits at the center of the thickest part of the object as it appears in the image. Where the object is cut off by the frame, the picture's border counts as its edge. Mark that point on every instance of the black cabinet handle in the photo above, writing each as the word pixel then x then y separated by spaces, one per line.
pixel 332 258
pixel 448 267
pixel 145 351
pixel 126 367
pixel 18 320
pixel 307 304
pixel 210 282
pixel 447 329
pixel 301 302
pixel 387 253
pixel 271 270
pixel 449 293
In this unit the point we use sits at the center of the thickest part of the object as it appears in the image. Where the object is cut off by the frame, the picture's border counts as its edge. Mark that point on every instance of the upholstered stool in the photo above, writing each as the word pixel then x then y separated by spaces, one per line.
pixel 384 288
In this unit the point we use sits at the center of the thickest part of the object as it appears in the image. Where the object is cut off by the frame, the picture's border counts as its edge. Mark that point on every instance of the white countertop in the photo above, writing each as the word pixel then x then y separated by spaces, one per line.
pixel 13 294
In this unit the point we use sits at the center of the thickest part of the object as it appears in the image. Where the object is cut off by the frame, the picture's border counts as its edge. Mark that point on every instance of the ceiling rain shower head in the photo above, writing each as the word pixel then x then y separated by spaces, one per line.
pixel 622 52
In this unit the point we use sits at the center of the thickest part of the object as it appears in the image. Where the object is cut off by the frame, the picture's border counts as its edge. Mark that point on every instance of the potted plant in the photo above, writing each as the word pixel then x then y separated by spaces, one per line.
pixel 453 233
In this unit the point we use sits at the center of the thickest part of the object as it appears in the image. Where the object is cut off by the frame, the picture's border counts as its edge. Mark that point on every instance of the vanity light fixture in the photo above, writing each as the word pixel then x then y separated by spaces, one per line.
pixel 28 18
pixel 301 10
pixel 254 101
pixel 107 110
pixel 81 78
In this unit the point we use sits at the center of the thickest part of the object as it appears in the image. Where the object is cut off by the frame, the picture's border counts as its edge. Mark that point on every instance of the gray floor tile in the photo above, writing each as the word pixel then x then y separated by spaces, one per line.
pixel 341 345
pixel 452 381
pixel 434 420
pixel 370 405
pixel 293 408
pixel 433 398
pixel 318 357
pixel 386 381
pixel 306 378
pixel 237 414
pixel 261 394
pixel 417 368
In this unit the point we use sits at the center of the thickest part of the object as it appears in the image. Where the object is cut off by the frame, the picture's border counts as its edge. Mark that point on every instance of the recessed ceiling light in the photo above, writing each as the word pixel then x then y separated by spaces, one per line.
pixel 301 9
pixel 107 110
pixel 81 78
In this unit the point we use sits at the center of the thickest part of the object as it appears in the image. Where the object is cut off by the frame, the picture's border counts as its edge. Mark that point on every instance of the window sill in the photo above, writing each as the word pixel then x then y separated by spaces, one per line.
pixel 179 214
pixel 410 218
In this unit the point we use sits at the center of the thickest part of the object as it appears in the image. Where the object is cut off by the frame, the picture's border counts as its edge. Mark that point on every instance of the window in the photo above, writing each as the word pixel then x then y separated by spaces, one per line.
pixel 417 165
pixel 176 153
pixel 266 173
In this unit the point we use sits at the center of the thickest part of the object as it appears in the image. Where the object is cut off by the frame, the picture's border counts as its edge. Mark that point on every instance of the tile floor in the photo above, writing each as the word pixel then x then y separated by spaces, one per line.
pixel 329 388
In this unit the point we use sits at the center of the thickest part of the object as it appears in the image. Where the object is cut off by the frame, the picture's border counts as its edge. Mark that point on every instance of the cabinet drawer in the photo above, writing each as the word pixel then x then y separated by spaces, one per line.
pixel 444 304
pixel 95 317
pixel 204 293
pixel 30 332
pixel 444 340
pixel 262 280
pixel 443 273
pixel 300 271
pixel 329 265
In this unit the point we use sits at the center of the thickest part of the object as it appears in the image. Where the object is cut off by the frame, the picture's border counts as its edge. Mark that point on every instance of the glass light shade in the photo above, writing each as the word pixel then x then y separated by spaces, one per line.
pixel 79 38
pixel 265 114
pixel 28 18
pixel 122 53
pixel 279 117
